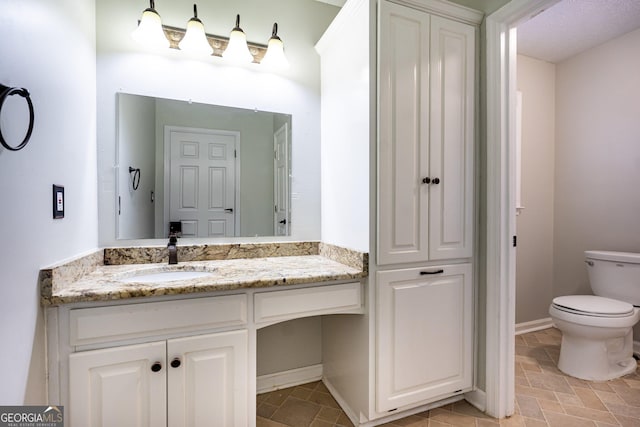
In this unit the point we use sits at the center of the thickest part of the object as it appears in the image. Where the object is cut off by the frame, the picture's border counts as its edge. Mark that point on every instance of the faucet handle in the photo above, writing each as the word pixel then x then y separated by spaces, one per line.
pixel 173 238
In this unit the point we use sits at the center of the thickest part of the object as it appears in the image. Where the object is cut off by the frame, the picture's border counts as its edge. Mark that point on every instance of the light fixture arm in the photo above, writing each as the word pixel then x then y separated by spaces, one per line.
pixel 237 27
pixel 274 32
pixel 195 12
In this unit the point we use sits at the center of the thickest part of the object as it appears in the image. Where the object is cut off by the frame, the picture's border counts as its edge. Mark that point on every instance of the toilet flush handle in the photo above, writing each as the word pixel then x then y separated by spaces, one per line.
pixel 589 263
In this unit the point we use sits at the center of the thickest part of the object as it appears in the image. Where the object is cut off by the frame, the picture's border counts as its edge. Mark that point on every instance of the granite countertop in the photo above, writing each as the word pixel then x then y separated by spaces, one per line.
pixel 90 280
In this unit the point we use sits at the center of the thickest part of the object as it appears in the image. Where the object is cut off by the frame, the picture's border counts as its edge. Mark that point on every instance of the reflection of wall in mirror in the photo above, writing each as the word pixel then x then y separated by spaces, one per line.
pixel 255 202
pixel 136 140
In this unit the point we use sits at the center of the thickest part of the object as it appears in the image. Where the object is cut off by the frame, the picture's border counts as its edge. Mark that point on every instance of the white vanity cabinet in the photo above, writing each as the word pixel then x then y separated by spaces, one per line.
pixel 199 379
pixel 191 381
pixel 426 133
pixel 185 360
pixel 425 334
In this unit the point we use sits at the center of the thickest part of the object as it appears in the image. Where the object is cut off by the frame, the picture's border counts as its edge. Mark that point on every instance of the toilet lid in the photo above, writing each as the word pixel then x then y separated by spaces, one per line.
pixel 590 305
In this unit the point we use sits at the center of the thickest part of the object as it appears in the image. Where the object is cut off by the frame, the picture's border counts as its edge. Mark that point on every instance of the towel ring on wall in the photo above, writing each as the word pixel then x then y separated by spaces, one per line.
pixel 136 177
pixel 9 91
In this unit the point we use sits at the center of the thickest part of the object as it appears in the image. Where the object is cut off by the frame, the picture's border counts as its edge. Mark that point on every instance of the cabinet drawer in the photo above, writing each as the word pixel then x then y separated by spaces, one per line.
pixel 278 306
pixel 116 323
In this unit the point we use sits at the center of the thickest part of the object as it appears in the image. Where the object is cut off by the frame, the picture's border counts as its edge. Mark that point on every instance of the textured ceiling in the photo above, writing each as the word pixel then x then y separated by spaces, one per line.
pixel 573 26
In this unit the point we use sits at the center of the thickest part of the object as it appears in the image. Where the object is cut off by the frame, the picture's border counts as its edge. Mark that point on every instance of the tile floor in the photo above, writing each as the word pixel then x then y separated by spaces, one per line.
pixel 544 397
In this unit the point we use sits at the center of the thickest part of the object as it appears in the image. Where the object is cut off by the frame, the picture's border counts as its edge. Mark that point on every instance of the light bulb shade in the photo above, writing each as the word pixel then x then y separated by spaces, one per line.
pixel 149 32
pixel 195 39
pixel 275 58
pixel 237 50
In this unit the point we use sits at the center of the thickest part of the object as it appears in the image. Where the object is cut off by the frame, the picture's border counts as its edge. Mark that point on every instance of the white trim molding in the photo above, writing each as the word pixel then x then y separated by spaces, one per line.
pixel 534 325
pixel 290 378
pixel 500 226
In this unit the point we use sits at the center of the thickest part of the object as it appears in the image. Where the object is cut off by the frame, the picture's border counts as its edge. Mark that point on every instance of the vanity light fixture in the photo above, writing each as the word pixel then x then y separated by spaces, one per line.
pixel 149 31
pixel 275 58
pixel 195 39
pixel 237 50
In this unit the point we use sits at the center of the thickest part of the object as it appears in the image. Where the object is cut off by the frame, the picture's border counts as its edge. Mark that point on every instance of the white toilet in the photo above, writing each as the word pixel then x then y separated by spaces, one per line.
pixel 597 331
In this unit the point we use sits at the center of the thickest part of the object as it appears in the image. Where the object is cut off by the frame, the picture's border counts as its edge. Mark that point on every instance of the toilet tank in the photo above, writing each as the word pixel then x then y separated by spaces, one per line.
pixel 614 275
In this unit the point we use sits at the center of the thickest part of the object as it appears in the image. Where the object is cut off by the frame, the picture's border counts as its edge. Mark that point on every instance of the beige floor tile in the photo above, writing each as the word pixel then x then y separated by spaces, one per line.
pixel 546 381
pixel 545 397
pixel 590 399
pixel 550 405
pixel 529 407
pixel 536 392
pixel 592 414
pixel 627 421
pixel 296 412
pixel 555 419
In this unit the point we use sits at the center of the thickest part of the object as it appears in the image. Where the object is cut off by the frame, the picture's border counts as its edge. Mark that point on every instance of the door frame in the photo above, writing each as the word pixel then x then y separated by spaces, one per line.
pixel 167 169
pixel 501 52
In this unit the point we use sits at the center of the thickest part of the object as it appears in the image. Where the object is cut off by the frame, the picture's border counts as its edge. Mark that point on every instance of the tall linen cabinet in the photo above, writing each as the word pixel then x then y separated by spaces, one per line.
pixel 421 67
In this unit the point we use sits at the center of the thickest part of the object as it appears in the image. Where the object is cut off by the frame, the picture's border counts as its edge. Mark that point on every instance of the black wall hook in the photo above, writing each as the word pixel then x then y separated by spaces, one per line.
pixel 5 92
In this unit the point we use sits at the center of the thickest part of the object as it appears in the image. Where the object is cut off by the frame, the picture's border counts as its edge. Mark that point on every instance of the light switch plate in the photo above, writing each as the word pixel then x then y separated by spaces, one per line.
pixel 58 201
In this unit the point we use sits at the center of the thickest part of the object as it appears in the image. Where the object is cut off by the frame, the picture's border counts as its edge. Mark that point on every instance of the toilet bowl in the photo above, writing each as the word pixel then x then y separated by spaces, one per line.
pixel 597 330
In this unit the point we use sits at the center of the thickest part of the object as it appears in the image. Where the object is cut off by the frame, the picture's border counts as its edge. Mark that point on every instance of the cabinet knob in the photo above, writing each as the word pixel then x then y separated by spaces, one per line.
pixel 156 367
pixel 175 363
pixel 435 181
pixel 426 180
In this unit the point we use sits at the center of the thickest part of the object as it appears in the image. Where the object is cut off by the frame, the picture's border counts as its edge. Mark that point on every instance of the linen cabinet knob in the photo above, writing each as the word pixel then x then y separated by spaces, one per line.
pixel 426 180
pixel 175 363
pixel 156 367
pixel 435 181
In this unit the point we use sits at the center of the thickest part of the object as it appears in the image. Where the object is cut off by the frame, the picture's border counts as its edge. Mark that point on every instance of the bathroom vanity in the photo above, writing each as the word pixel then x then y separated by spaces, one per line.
pixel 137 344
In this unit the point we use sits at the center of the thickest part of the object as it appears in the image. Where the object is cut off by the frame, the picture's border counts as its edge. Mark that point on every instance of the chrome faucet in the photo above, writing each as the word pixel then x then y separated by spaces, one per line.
pixel 173 248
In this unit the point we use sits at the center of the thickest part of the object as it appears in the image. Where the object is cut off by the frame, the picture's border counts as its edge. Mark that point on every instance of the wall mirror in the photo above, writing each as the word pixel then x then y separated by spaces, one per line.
pixel 201 170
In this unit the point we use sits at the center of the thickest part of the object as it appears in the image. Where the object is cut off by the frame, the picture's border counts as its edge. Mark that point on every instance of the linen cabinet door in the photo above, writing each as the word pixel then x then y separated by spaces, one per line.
pixel 121 386
pixel 452 60
pixel 403 160
pixel 208 380
pixel 425 335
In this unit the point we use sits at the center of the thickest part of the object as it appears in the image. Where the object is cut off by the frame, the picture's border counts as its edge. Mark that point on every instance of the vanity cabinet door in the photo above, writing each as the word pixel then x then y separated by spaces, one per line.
pixel 425 335
pixel 122 386
pixel 425 136
pixel 208 380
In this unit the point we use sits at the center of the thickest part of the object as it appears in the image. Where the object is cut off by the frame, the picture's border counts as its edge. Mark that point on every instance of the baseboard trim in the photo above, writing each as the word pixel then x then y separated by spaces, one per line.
pixel 290 378
pixel 477 398
pixel 341 402
pixel 534 325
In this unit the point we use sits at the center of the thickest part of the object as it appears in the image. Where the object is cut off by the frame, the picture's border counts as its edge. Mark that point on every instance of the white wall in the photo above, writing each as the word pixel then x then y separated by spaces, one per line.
pixel 124 66
pixel 47 47
pixel 597 202
pixel 346 142
pixel 534 267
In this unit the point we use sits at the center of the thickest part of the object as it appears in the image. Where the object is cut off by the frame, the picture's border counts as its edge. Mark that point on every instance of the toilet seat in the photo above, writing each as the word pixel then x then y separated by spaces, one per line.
pixel 593 306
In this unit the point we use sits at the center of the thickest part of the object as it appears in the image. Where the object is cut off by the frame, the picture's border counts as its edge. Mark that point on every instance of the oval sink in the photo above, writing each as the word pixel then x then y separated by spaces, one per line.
pixel 165 276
